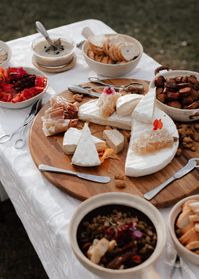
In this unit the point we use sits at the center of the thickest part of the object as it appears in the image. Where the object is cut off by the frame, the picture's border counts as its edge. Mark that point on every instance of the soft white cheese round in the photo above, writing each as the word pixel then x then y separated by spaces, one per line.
pixel 140 165
pixel 127 103
pixel 90 112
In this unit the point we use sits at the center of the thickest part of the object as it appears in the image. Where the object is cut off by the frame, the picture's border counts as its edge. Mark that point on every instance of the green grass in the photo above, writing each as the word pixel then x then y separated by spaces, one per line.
pixel 168 29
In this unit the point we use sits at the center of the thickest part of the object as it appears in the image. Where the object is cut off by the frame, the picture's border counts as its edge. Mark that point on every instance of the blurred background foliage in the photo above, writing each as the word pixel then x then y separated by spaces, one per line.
pixel 168 29
pixel 169 32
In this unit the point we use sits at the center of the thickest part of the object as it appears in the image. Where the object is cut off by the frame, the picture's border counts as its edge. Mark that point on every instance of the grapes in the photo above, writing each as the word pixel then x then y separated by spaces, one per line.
pixel 20 83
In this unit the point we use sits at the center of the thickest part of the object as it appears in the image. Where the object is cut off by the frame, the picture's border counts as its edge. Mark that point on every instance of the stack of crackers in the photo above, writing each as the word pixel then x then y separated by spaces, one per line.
pixel 188 225
pixel 111 49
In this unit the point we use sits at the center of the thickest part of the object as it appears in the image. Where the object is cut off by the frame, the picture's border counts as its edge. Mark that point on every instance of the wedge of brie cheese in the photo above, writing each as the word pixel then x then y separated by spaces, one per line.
pixel 71 138
pixel 90 112
pixel 145 109
pixel 86 153
pixel 140 165
pixel 127 103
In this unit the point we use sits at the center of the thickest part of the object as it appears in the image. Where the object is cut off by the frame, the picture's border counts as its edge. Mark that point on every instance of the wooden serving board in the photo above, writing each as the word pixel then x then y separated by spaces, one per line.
pixel 48 150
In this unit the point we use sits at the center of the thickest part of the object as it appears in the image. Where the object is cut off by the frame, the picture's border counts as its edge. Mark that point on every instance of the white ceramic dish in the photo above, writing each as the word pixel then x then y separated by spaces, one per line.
pixel 113 70
pixel 7 49
pixel 145 270
pixel 183 252
pixel 53 60
pixel 175 113
pixel 30 101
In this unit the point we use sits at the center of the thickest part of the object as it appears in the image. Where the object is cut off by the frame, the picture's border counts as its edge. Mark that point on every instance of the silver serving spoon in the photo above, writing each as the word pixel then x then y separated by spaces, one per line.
pixel 42 30
pixel 138 86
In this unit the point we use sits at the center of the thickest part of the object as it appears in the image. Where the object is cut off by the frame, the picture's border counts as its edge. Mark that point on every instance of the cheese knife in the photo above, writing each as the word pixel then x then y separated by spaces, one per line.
pixel 192 163
pixel 81 90
pixel 86 176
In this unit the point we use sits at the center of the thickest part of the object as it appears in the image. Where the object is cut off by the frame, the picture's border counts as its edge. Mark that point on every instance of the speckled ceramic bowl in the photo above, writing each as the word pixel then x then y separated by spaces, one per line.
pixel 144 270
pixel 176 113
pixel 183 252
pixel 113 70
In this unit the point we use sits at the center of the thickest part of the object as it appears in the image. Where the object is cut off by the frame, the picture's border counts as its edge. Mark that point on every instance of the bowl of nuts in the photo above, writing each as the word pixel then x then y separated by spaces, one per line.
pixel 112 55
pixel 118 235
pixel 184 228
pixel 177 94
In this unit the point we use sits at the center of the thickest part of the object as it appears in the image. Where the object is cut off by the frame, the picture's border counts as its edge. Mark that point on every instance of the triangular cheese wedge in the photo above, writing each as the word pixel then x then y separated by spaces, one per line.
pixel 86 153
pixel 127 103
pixel 71 139
pixel 145 109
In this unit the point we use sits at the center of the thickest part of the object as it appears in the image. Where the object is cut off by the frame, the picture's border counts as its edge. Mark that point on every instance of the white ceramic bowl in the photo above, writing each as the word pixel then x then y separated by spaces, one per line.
pixel 7 49
pixel 53 60
pixel 145 269
pixel 113 70
pixel 30 101
pixel 175 113
pixel 183 252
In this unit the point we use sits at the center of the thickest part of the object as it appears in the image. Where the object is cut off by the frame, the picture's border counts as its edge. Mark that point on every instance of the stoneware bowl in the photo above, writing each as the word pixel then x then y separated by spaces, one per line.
pixel 7 52
pixel 30 101
pixel 53 60
pixel 144 270
pixel 176 113
pixel 182 251
pixel 113 70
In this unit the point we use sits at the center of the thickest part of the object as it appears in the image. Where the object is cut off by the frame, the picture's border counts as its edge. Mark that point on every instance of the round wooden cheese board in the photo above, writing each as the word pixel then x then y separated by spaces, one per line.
pixel 49 150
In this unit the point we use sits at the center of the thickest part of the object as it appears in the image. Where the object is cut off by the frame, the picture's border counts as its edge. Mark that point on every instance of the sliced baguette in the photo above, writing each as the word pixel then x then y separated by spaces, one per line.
pixel 193 245
pixel 183 219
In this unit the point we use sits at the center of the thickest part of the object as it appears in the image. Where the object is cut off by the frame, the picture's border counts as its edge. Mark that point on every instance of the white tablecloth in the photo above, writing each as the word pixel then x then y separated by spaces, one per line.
pixel 44 210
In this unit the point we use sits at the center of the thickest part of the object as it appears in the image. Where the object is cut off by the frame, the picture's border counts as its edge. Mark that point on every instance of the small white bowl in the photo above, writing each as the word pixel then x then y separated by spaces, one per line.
pixel 130 201
pixel 53 60
pixel 176 113
pixel 5 47
pixel 30 101
pixel 113 70
pixel 183 252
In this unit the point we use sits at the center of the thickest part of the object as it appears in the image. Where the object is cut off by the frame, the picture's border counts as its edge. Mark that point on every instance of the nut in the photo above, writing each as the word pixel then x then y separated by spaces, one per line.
pixel 175 104
pixel 173 95
pixel 194 105
pixel 159 81
pixel 183 89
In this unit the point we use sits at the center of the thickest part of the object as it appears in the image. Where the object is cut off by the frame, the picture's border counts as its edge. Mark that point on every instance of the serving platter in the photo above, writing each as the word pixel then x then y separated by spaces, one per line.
pixel 49 150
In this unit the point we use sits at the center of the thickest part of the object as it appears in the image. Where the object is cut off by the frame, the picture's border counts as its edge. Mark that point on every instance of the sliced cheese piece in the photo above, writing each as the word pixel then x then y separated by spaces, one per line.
pixel 86 153
pixel 145 109
pixel 90 111
pixel 71 138
pixel 140 165
pixel 127 103
pixel 114 139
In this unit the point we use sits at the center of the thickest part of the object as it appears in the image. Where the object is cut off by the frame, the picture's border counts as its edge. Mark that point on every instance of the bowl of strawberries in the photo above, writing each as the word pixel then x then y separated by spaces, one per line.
pixel 21 86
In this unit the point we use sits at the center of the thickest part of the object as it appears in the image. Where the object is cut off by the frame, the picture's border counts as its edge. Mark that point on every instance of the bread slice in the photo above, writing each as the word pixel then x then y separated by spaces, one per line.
pixel 196 227
pixel 193 245
pixel 194 218
pixel 190 235
pixel 183 219
pixel 128 51
pixel 194 206
pixel 187 228
pixel 97 41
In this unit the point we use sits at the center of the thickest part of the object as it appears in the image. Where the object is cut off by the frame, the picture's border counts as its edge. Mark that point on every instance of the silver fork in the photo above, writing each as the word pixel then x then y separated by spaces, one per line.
pixel 177 266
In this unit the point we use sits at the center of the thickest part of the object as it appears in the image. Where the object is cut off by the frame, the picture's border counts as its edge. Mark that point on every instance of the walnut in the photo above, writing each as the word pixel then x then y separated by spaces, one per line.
pixel 78 97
